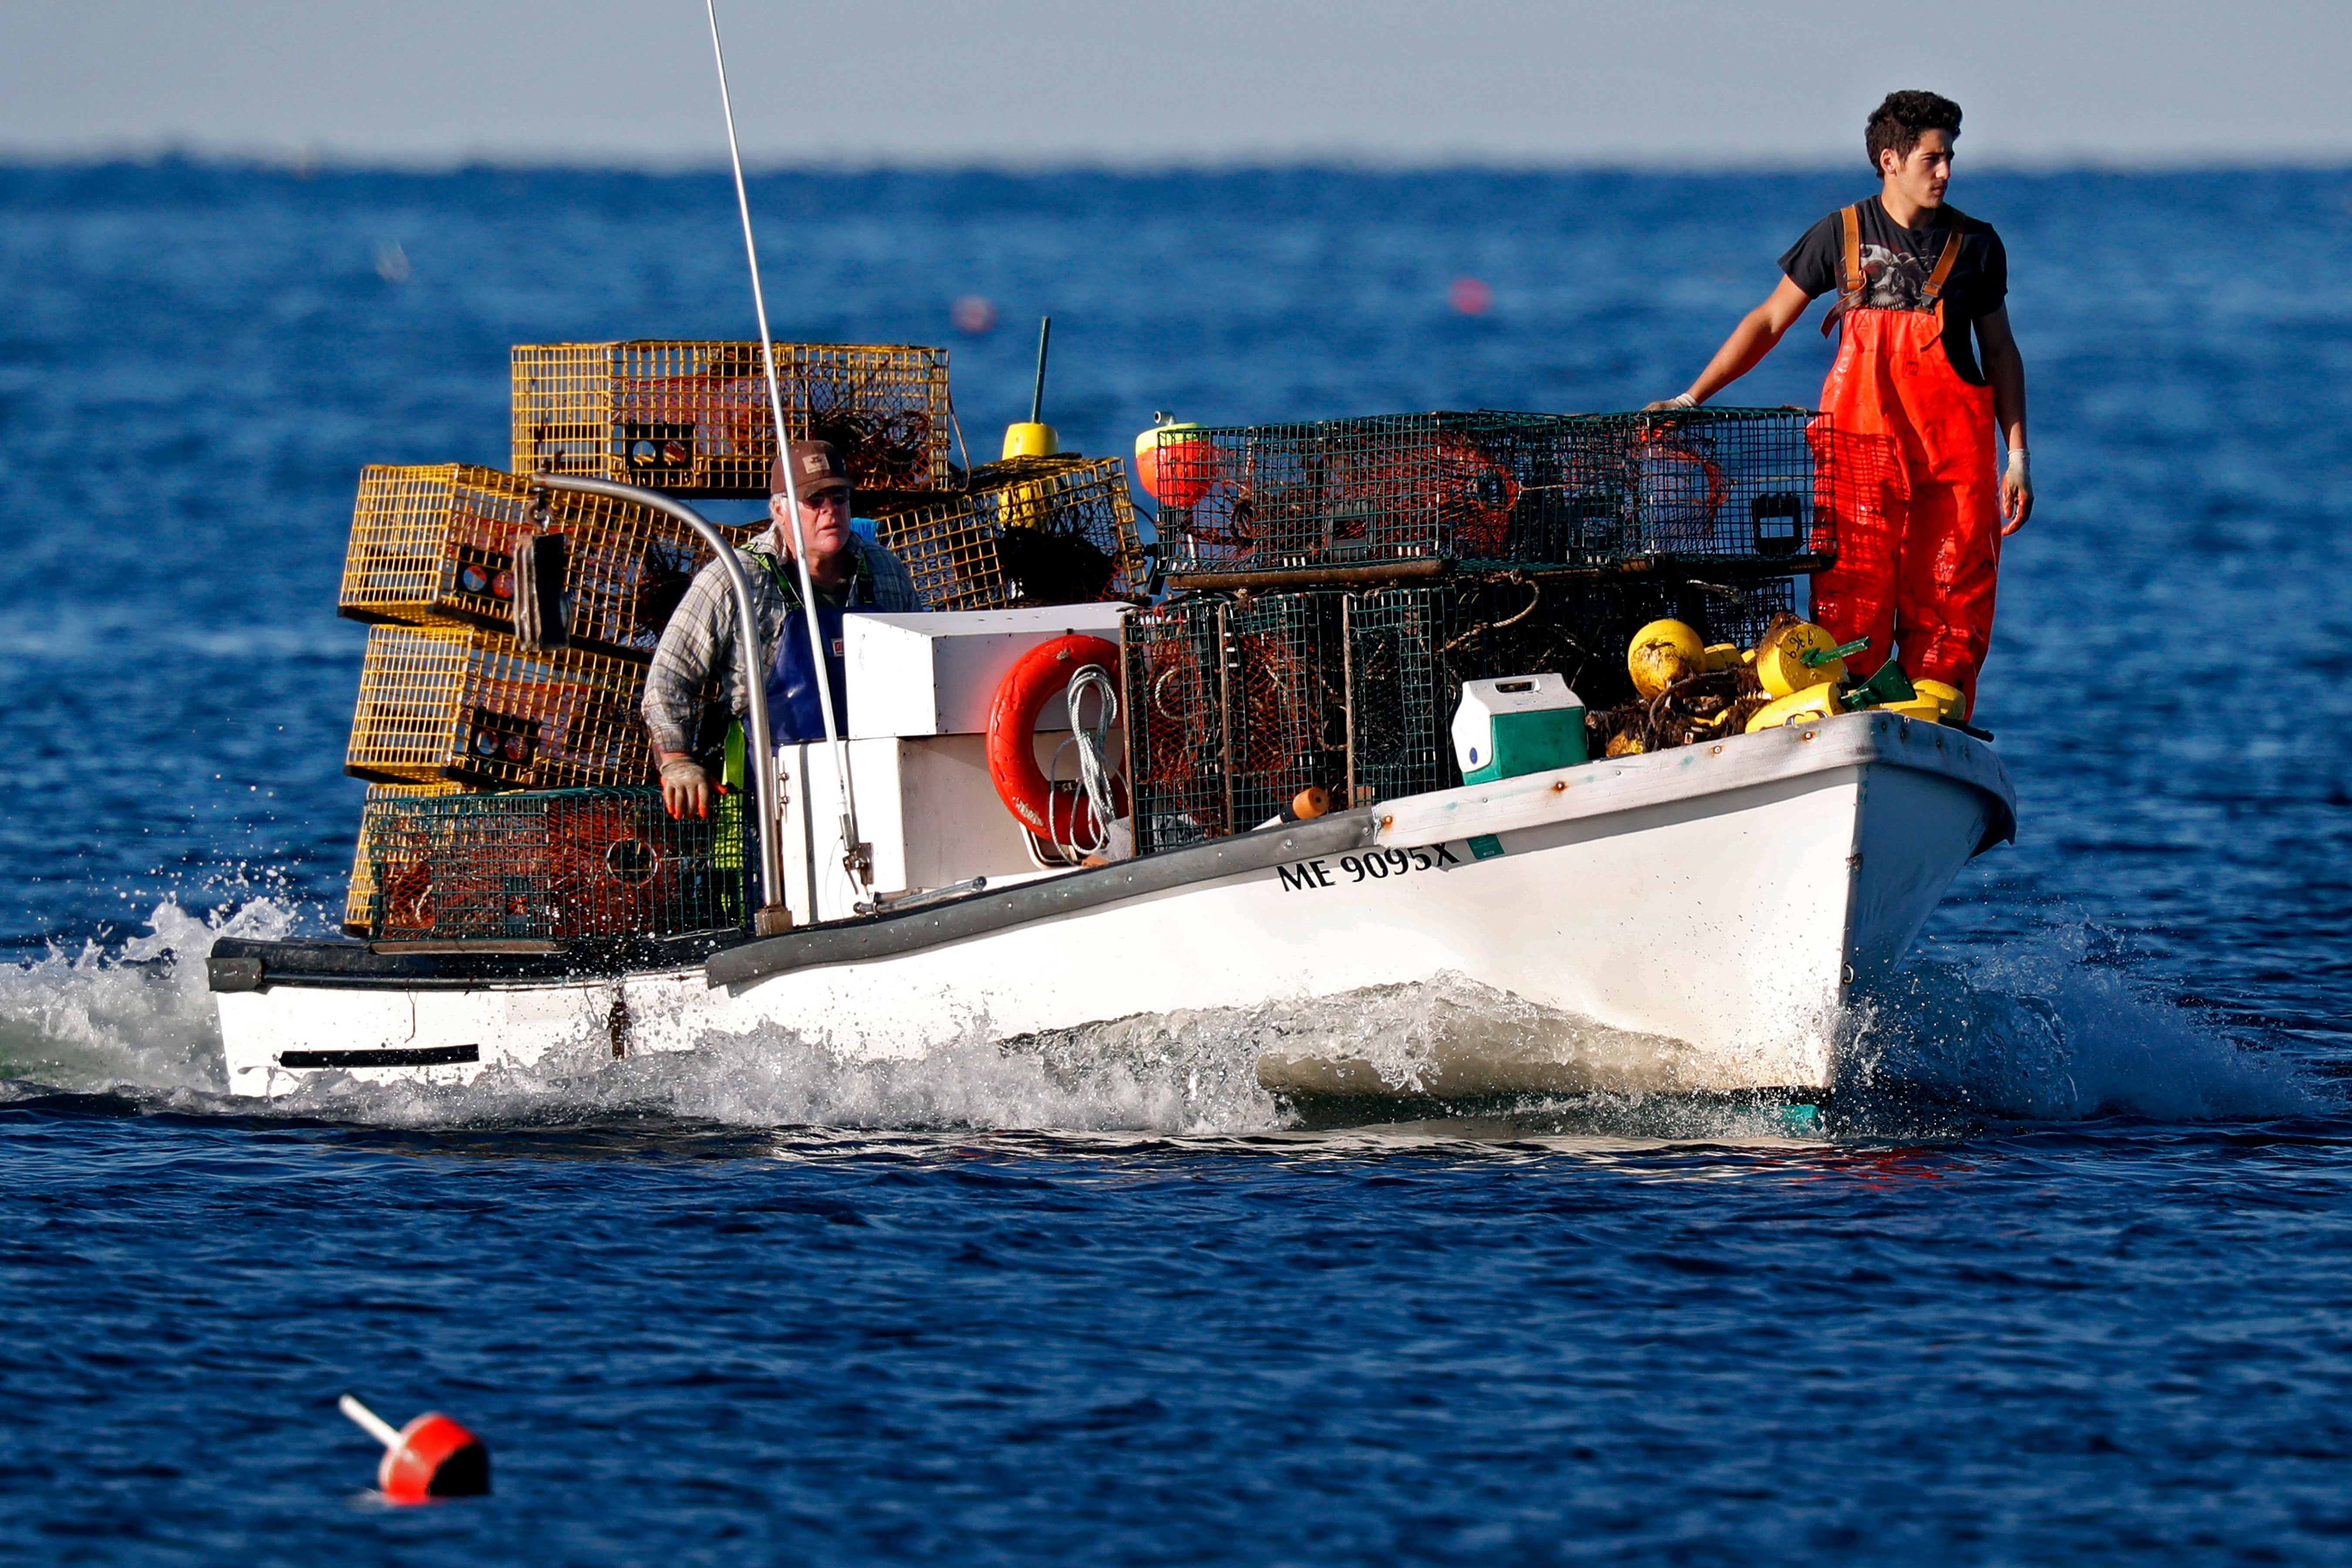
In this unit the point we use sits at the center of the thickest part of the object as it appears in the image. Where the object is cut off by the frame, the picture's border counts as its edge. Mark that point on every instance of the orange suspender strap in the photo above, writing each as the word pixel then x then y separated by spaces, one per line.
pixel 1933 298
pixel 1850 278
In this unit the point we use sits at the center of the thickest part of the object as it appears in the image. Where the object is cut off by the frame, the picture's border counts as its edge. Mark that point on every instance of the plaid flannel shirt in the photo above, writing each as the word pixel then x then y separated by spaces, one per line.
pixel 699 644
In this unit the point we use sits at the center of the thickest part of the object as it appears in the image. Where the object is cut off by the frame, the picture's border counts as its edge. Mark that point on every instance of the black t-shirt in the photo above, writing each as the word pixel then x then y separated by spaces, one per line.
pixel 1896 263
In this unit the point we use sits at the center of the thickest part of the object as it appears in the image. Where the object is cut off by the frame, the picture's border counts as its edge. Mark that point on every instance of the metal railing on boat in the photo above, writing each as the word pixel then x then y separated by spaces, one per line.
pixel 772 917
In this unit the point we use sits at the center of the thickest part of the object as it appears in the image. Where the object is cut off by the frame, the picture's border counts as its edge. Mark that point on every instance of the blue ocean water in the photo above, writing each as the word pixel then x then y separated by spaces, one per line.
pixel 2064 1280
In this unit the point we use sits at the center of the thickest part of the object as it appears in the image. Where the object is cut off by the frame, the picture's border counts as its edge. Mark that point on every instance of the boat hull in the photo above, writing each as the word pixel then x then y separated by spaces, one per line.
pixel 1691 921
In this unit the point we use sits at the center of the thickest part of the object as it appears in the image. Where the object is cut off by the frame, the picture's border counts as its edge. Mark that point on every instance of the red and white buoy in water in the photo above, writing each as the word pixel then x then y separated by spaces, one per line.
pixel 431 1457
pixel 1175 466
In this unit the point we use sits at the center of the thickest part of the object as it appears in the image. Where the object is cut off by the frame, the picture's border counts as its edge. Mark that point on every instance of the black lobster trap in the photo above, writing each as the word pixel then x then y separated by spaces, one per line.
pixel 1233 707
pixel 1235 703
pixel 606 863
pixel 1027 531
pixel 1741 489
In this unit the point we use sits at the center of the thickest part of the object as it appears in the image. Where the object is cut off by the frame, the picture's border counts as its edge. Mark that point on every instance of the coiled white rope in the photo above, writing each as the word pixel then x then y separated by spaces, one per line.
pixel 1094 762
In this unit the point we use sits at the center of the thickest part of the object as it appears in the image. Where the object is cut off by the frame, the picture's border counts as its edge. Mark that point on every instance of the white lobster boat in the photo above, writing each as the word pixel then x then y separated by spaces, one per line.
pixel 1720 901
pixel 1723 897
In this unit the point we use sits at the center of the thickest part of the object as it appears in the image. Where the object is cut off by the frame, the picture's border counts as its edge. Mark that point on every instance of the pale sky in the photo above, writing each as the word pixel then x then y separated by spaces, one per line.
pixel 1693 83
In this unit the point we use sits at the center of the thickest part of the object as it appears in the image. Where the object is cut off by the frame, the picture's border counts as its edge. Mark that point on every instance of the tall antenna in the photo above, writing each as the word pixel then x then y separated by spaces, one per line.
pixel 854 856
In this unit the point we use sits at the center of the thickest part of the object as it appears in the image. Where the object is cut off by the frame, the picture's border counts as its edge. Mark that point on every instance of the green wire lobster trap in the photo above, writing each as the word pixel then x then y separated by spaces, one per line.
pixel 606 864
pixel 1736 489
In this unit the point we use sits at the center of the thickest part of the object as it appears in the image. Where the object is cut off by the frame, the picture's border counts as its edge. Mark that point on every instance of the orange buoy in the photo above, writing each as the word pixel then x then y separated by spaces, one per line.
pixel 431 1457
pixel 1037 676
pixel 1174 469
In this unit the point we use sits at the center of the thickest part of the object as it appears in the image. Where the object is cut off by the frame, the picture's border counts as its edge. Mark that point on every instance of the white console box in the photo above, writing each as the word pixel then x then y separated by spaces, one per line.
pixel 936 674
pixel 924 803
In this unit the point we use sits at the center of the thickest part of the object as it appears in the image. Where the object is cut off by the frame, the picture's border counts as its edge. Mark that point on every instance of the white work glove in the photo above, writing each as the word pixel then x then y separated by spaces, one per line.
pixel 1674 405
pixel 2016 492
pixel 685 788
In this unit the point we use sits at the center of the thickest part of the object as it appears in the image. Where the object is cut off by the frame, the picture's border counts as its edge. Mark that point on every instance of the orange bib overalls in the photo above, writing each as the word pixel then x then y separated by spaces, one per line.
pixel 1920 533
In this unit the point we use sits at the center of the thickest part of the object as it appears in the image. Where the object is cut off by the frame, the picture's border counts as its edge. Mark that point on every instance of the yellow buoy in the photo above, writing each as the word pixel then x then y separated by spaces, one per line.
pixel 1031 439
pixel 1948 698
pixel 1722 656
pixel 1796 708
pixel 1923 707
pixel 1782 664
pixel 1663 653
pixel 1026 503
pixel 1624 746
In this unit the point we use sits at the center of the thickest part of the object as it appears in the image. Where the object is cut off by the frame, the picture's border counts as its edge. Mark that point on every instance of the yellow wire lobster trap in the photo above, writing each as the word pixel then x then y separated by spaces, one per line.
pixel 692 417
pixel 1029 530
pixel 465 707
pixel 436 546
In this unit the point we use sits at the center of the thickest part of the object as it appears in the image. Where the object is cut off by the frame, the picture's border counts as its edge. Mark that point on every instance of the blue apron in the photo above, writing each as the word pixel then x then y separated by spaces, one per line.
pixel 796 711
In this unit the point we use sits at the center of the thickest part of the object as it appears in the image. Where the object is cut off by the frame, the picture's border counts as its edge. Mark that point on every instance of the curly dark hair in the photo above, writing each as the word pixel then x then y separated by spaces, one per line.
pixel 1898 123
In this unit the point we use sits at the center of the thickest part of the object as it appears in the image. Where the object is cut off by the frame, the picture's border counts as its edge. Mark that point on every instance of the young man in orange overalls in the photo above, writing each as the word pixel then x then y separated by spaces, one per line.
pixel 1922 515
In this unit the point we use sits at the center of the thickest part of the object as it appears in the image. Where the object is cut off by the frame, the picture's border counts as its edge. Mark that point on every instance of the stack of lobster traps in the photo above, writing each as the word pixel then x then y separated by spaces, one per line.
pixel 512 786
pixel 512 782
pixel 1337 583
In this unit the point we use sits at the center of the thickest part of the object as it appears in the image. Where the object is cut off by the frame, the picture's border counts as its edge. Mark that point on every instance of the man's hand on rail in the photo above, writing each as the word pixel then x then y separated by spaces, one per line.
pixel 685 788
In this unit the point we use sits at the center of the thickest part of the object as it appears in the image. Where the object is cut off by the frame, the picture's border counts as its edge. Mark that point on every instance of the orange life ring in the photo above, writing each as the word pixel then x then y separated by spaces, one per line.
pixel 1039 675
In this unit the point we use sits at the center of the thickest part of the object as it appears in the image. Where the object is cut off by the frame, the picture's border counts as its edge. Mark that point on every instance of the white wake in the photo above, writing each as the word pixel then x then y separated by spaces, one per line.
pixel 2034 1033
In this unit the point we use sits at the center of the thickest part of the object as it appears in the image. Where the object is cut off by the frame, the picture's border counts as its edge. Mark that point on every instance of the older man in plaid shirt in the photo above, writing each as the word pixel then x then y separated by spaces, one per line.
pixel 700 643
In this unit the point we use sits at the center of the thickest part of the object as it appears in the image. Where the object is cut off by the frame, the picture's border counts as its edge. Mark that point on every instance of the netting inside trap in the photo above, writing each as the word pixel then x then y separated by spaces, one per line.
pixel 692 417
pixel 358 901
pixel 467 707
pixel 1171 667
pixel 1286 702
pixel 1733 486
pixel 1032 531
pixel 436 546
pixel 596 863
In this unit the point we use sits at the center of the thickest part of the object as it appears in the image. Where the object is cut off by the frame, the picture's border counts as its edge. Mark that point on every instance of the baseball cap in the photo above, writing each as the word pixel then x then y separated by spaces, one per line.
pixel 816 466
